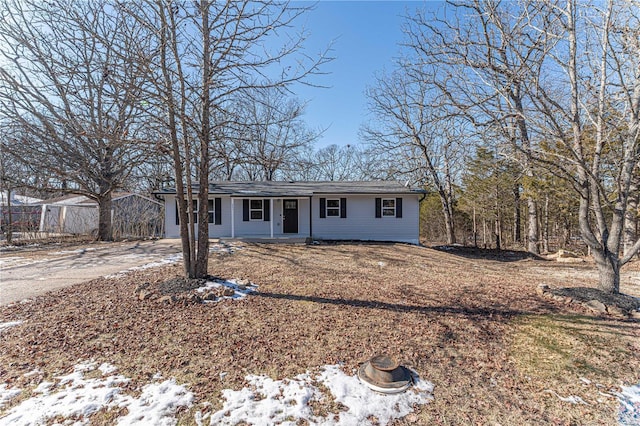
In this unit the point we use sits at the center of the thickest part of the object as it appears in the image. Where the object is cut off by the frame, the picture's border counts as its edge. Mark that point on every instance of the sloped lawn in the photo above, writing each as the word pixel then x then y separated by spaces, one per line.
pixel 474 328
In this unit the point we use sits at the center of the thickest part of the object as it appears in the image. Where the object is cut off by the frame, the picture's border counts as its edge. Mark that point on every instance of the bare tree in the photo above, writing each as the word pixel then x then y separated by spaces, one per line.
pixel 273 133
pixel 592 115
pixel 339 163
pixel 486 53
pixel 423 140
pixel 70 88
pixel 205 53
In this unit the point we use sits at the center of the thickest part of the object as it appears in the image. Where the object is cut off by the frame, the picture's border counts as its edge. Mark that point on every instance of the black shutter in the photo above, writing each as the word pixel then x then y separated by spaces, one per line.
pixel 378 207
pixel 266 210
pixel 323 207
pixel 245 210
pixel 343 208
pixel 217 211
pixel 177 213
pixel 398 207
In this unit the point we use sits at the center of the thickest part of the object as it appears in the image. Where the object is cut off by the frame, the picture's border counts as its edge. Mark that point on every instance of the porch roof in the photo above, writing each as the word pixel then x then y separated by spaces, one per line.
pixel 302 189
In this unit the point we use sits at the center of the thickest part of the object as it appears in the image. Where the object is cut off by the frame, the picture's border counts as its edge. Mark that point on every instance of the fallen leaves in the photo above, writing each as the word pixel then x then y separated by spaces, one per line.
pixel 449 317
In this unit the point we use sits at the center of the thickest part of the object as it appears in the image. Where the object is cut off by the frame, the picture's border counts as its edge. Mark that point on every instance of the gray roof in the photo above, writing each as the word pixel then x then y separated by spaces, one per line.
pixel 303 189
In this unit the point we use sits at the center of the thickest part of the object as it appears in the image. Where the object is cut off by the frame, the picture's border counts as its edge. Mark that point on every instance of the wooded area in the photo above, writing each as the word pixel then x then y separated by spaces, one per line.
pixel 522 119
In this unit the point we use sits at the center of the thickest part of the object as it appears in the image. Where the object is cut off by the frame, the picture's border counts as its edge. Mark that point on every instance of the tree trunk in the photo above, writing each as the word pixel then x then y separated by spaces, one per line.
pixel 9 229
pixel 545 228
pixel 608 271
pixel 447 211
pixel 104 217
pixel 202 258
pixel 532 226
pixel 475 229
pixel 497 220
pixel 517 235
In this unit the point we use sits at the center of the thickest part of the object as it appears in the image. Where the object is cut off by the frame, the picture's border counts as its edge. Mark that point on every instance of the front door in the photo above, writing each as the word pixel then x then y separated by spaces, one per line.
pixel 290 216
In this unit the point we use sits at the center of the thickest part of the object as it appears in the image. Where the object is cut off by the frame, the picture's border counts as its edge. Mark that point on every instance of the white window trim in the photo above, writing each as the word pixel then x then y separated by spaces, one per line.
pixel 388 208
pixel 211 213
pixel 194 213
pixel 261 210
pixel 327 208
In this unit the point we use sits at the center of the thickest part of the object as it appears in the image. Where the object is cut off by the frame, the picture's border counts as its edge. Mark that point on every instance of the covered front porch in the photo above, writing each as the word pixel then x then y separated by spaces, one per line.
pixel 274 218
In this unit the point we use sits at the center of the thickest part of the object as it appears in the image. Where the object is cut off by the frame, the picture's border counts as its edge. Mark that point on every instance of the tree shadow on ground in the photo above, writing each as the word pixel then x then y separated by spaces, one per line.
pixel 479 312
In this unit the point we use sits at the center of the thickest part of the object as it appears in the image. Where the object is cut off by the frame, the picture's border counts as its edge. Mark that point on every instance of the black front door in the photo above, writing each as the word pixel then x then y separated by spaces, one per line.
pixel 290 216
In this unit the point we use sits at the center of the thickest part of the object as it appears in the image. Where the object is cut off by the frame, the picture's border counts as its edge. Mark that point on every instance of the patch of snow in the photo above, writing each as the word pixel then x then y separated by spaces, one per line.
pixel 6 262
pixel 77 251
pixel 107 368
pixel 268 401
pixel 157 404
pixel 629 412
pixel 76 397
pixel 6 325
pixel 31 373
pixel 43 388
pixel 239 291
pixel 228 248
pixel 572 399
pixel 13 248
pixel 174 258
pixel 7 394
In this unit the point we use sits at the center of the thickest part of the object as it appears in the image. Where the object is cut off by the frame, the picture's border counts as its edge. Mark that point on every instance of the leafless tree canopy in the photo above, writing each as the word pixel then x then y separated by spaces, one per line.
pixel 70 85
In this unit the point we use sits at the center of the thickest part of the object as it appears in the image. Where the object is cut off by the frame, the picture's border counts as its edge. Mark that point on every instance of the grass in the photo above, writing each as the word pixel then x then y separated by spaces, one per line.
pixel 475 327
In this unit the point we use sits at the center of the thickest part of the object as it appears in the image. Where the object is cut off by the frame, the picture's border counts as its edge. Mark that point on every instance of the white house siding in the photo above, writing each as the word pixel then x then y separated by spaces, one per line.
pixel 361 222
pixel 252 228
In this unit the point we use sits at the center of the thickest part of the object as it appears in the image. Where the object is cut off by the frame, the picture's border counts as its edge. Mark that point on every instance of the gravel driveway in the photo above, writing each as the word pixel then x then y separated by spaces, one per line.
pixel 27 272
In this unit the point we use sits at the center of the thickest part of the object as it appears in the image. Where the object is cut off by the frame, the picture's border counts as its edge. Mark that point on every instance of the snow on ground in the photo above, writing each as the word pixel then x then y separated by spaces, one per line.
pixel 229 248
pixel 73 398
pixel 629 414
pixel 76 397
pixel 174 258
pixel 20 247
pixel 6 394
pixel 239 290
pixel 5 325
pixel 77 251
pixel 6 262
pixel 287 402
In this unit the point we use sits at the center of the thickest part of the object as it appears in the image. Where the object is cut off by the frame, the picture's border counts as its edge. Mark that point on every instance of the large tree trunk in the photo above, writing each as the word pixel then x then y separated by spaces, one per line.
pixel 449 224
pixel 105 232
pixel 202 258
pixel 608 271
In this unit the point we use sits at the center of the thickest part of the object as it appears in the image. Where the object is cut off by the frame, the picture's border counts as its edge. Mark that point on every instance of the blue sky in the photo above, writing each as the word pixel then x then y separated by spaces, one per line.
pixel 366 37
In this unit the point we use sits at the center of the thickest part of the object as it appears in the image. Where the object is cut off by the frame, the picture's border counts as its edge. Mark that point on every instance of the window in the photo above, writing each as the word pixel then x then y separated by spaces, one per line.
pixel 333 208
pixel 255 209
pixel 210 210
pixel 213 210
pixel 388 207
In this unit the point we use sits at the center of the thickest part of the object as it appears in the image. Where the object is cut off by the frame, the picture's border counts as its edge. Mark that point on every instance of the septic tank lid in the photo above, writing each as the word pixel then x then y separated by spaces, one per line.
pixel 383 374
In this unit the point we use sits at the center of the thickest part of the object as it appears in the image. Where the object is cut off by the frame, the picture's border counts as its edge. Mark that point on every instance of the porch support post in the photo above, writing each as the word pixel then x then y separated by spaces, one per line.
pixel 233 225
pixel 271 216
pixel 311 217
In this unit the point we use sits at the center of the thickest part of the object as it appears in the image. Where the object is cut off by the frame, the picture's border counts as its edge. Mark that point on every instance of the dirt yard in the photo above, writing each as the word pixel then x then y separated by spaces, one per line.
pixel 471 323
